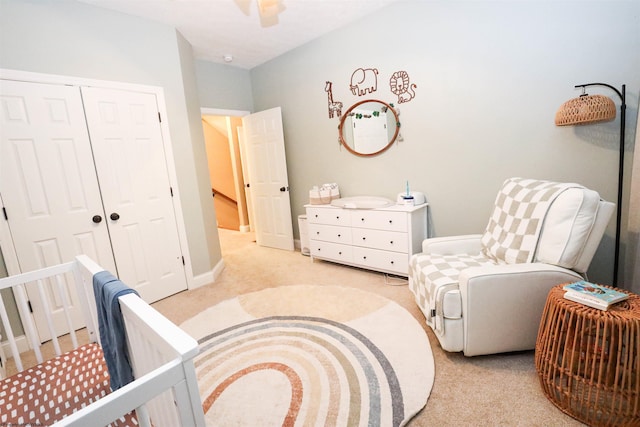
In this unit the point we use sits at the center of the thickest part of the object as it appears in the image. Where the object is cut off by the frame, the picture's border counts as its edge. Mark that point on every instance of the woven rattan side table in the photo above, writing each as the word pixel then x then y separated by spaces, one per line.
pixel 588 360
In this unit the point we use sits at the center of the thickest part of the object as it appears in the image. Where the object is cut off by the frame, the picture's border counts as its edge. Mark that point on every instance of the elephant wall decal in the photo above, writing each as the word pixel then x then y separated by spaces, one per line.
pixel 364 80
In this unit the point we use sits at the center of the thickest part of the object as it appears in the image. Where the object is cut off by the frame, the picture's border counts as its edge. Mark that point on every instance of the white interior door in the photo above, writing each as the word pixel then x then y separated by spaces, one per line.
pixel 264 139
pixel 49 187
pixel 130 161
pixel 245 177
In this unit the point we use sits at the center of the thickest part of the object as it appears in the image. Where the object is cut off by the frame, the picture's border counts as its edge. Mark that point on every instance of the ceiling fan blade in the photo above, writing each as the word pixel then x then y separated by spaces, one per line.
pixel 268 8
pixel 268 21
pixel 244 6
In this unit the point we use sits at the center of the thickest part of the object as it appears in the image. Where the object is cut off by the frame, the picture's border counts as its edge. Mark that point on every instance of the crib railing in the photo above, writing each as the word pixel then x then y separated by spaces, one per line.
pixel 44 281
pixel 165 388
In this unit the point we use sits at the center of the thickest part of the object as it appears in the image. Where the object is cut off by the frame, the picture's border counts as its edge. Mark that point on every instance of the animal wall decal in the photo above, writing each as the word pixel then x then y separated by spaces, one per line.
pixel 363 81
pixel 335 107
pixel 401 87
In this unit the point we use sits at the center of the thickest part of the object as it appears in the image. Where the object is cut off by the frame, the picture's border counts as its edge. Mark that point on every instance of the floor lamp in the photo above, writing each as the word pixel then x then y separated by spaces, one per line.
pixel 592 109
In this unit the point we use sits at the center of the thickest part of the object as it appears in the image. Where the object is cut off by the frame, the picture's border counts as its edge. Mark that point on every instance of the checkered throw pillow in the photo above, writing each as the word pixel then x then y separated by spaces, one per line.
pixel 514 227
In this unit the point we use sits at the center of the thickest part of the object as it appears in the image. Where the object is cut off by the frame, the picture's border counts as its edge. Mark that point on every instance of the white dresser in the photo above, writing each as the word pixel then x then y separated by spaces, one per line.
pixel 377 239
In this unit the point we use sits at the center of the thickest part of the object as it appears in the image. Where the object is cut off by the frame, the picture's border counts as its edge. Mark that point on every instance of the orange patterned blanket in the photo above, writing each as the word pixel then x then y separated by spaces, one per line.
pixel 48 392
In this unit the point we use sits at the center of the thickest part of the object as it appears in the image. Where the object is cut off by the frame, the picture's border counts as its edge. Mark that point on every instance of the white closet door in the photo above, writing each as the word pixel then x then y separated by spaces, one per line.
pixel 48 185
pixel 130 161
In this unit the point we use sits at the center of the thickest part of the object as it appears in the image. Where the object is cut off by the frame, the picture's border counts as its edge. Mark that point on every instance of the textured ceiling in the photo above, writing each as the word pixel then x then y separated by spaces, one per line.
pixel 216 28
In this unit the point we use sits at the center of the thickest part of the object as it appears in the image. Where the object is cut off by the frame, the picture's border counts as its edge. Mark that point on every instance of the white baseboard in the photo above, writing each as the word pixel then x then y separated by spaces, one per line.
pixel 21 342
pixel 245 228
pixel 208 277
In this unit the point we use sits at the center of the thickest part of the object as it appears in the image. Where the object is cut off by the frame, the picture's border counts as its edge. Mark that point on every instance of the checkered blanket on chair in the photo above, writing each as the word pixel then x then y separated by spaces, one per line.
pixel 439 273
pixel 514 227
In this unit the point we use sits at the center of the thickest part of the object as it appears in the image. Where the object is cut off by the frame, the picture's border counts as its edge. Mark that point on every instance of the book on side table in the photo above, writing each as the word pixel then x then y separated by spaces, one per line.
pixel 593 295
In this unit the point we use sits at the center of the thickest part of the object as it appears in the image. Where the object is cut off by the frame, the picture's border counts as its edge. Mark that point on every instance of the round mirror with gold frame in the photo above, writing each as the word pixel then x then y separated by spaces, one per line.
pixel 369 127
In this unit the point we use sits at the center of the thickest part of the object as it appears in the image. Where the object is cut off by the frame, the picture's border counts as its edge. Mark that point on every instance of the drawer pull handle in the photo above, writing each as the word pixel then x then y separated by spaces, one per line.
pixel 390 221
pixel 317 233
pixel 364 238
pixel 362 219
pixel 339 253
pixel 391 262
pixel 391 242
pixel 339 235
pixel 364 257
pixel 337 217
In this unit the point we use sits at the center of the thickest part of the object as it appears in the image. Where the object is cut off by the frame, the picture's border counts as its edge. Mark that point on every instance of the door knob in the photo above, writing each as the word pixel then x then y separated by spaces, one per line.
pixel 283 189
pixel 114 216
pixel 97 219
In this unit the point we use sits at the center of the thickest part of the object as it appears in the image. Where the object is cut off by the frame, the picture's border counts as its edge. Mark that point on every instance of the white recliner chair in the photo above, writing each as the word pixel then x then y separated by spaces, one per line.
pixel 484 294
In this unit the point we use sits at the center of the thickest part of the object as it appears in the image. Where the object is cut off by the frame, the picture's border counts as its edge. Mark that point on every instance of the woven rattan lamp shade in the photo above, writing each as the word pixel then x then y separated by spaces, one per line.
pixel 586 109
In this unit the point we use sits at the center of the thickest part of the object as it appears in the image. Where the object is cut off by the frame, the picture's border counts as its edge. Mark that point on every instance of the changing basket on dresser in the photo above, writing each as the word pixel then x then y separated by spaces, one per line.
pixel 381 239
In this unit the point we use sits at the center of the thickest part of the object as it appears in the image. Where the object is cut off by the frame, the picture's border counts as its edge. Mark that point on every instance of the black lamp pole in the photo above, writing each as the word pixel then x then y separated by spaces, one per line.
pixel 623 109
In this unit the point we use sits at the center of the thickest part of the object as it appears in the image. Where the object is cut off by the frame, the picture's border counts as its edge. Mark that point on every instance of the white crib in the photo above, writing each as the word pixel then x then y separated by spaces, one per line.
pixel 165 390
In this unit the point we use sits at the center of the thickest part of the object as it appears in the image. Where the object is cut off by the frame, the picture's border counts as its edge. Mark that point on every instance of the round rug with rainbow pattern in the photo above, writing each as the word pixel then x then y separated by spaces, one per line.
pixel 311 355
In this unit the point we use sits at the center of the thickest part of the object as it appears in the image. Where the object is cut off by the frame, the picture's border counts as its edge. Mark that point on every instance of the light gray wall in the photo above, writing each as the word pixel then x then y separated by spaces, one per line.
pixel 10 305
pixel 75 39
pixel 490 77
pixel 632 273
pixel 223 86
pixel 195 161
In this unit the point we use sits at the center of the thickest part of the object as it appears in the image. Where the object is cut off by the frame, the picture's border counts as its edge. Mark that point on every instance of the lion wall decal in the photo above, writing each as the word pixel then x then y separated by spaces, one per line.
pixel 401 87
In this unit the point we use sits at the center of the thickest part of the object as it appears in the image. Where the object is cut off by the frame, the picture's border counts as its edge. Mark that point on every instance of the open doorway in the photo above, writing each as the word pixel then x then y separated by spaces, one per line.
pixel 223 142
pixel 259 141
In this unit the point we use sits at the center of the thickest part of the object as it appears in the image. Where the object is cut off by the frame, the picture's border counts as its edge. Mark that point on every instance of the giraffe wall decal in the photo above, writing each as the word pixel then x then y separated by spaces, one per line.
pixel 334 107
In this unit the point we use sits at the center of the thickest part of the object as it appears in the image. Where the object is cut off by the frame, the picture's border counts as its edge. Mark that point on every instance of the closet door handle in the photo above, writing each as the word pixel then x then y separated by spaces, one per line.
pixel 97 219
pixel 114 216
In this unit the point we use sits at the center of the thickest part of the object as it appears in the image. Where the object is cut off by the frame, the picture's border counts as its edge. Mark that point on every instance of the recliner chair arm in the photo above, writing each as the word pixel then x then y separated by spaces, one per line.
pixel 502 305
pixel 464 244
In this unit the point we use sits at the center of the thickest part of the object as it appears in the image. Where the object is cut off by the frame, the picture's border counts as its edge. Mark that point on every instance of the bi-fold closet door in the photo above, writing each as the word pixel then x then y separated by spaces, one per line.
pixel 83 170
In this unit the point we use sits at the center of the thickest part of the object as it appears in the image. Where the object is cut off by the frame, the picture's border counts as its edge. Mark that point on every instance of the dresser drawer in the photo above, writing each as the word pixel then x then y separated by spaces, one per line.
pixel 394 262
pixel 331 251
pixel 330 233
pixel 378 239
pixel 380 220
pixel 329 216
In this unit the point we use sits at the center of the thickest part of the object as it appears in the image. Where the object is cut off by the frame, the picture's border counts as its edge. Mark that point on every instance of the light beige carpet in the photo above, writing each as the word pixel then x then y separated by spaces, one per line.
pixel 495 390
pixel 311 355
